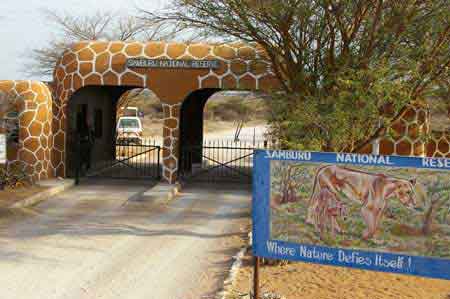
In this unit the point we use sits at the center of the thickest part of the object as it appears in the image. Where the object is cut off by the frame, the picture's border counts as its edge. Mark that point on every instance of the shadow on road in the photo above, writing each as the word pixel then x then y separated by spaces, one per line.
pixel 96 208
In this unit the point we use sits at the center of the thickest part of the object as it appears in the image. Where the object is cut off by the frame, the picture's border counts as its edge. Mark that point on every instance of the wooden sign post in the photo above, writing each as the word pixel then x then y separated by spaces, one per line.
pixel 256 263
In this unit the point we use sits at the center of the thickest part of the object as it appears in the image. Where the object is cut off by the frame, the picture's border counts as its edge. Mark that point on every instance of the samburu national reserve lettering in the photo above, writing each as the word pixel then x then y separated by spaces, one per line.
pixel 436 162
pixel 289 155
pixel 340 158
pixel 168 63
pixel 363 159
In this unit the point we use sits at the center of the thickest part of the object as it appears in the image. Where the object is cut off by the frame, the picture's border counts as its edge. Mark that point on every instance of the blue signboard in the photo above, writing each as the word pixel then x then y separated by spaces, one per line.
pixel 381 213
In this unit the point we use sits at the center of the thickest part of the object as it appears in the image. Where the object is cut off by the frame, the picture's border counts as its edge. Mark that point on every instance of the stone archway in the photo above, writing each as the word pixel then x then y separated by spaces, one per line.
pixel 241 66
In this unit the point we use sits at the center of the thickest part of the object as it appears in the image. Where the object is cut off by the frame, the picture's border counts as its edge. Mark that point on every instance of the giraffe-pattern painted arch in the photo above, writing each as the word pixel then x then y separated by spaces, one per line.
pixel 33 102
pixel 242 66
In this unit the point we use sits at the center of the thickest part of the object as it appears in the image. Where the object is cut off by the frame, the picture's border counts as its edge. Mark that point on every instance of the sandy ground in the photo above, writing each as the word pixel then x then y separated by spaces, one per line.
pixel 104 240
pixel 228 131
pixel 214 130
pixel 308 281
pixel 213 126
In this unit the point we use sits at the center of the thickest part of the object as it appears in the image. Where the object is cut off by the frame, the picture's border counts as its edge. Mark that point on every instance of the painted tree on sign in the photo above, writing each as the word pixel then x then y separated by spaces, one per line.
pixel 287 180
pixel 438 201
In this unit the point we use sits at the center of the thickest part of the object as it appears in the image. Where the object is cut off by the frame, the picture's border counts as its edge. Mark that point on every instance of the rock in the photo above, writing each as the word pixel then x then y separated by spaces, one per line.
pixel 272 296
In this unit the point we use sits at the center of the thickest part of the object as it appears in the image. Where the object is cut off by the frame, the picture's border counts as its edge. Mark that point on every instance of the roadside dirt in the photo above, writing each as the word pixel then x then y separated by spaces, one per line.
pixel 308 281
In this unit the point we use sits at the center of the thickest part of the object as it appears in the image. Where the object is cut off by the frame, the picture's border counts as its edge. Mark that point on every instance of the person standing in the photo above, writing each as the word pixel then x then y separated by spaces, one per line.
pixel 86 135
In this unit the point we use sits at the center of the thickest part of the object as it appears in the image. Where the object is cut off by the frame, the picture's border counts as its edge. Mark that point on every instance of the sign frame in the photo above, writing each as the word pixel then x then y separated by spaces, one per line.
pixel 431 267
pixel 3 148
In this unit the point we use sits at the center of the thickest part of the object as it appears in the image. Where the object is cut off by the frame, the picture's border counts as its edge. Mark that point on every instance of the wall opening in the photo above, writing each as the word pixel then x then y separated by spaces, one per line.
pixel 85 107
pixel 126 131
pixel 149 109
pixel 219 131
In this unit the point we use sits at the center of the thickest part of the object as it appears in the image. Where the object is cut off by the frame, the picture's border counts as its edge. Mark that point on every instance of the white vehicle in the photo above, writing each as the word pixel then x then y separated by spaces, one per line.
pixel 129 130
pixel 129 111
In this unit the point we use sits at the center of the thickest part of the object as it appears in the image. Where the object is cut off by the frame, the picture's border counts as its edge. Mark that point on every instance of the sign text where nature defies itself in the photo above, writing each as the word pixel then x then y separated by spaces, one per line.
pixel 172 64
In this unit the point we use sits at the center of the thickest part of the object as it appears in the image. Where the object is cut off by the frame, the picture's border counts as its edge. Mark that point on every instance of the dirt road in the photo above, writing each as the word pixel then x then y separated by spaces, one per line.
pixel 106 241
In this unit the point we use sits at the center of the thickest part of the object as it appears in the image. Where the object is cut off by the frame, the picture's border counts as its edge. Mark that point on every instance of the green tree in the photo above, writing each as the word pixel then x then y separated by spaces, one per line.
pixel 341 63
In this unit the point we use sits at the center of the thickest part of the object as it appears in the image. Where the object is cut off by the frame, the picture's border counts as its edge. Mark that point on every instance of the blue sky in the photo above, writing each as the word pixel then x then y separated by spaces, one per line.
pixel 23 26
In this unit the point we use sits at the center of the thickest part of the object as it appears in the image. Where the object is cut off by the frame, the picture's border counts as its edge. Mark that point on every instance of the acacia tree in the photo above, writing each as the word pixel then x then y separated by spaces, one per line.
pixel 340 63
pixel 96 26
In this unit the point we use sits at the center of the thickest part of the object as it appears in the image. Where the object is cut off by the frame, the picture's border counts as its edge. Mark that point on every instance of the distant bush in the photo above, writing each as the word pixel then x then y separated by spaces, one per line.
pixel 218 107
pixel 235 108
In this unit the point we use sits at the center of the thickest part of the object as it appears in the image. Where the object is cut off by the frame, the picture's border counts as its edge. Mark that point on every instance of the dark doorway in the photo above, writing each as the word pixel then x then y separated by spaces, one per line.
pixel 111 156
pixel 223 159
pixel 97 106
pixel 191 124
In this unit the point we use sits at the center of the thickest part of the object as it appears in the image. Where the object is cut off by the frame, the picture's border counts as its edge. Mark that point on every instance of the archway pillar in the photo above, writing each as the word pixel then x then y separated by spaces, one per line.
pixel 32 101
pixel 171 135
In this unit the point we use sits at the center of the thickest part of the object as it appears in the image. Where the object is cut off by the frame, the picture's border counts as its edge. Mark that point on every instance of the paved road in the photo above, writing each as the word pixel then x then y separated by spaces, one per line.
pixel 104 241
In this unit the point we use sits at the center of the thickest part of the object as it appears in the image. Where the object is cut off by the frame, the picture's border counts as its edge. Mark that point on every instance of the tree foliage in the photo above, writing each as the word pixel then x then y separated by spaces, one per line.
pixel 96 26
pixel 339 62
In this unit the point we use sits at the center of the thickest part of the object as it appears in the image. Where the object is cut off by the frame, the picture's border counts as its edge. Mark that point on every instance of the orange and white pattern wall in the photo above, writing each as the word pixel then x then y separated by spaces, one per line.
pixel 43 119
pixel 105 64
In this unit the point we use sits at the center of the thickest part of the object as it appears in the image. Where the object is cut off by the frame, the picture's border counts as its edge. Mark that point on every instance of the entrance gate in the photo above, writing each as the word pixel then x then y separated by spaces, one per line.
pixel 130 161
pixel 219 162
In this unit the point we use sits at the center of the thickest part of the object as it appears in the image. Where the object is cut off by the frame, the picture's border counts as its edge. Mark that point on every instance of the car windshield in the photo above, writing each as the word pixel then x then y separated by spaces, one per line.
pixel 128 123
pixel 130 112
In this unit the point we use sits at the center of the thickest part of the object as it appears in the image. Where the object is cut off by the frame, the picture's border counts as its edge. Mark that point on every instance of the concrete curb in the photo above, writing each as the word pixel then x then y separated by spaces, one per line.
pixel 56 186
pixel 161 193
pixel 237 264
pixel 228 283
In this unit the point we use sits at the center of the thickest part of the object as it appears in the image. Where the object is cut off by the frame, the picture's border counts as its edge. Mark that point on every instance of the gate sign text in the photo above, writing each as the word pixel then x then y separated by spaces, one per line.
pixel 381 213
pixel 2 148
pixel 172 64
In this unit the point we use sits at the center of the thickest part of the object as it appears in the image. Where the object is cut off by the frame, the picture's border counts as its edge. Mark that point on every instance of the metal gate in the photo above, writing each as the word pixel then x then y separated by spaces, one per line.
pixel 219 161
pixel 130 161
